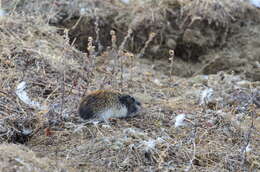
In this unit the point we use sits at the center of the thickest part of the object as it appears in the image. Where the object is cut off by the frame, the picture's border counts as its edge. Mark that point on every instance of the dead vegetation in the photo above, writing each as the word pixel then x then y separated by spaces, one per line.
pixel 203 33
pixel 205 123
pixel 20 158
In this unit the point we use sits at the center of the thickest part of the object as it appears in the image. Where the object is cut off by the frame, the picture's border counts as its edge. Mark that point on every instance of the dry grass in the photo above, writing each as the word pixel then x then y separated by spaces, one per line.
pixel 20 158
pixel 33 52
pixel 194 29
pixel 220 134
pixel 219 13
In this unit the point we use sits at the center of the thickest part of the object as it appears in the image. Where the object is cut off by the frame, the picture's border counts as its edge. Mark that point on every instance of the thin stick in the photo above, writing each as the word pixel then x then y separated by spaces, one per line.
pixel 172 54
pixel 151 36
pixel 63 93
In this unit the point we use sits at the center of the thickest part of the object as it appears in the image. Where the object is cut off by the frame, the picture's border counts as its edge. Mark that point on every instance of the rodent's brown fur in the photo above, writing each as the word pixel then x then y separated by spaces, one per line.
pixel 92 105
pixel 100 99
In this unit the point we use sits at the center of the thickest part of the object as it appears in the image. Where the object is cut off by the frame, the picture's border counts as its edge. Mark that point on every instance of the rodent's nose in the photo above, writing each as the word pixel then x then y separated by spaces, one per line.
pixel 138 103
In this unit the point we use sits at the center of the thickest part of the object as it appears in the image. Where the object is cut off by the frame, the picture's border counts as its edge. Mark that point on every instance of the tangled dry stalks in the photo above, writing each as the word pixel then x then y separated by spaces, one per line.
pixel 217 115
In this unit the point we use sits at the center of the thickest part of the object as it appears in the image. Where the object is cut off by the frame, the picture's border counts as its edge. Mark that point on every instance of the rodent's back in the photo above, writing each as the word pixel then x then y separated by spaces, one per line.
pixel 97 102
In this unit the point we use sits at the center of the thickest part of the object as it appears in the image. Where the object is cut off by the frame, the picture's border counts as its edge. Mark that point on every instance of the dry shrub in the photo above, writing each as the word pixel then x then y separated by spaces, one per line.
pixel 32 38
pixel 168 19
pixel 194 29
pixel 216 12
pixel 33 52
pixel 213 138
pixel 20 158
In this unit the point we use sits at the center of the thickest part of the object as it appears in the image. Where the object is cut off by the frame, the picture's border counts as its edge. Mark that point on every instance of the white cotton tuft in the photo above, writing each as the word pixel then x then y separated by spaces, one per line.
pixel 179 120
pixel 248 148
pixel 157 82
pixel 205 96
pixel 21 93
pixel 83 11
pixel 149 145
pixel 106 126
pixel 79 128
pixel 95 122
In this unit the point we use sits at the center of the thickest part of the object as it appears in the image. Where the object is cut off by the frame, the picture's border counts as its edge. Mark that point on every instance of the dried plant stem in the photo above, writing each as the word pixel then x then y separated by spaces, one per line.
pixel 121 70
pixel 115 66
pixel 97 30
pixel 205 66
pixel 91 50
pixel 62 93
pixel 64 71
pixel 129 32
pixel 172 55
pixel 131 56
pixel 77 23
pixel 151 36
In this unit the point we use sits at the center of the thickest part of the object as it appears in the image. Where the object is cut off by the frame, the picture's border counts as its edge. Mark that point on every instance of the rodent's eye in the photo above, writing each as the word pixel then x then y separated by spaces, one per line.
pixel 130 99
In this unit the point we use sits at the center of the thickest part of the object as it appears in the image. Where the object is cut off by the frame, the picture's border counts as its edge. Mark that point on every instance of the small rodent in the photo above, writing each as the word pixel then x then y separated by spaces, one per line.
pixel 105 104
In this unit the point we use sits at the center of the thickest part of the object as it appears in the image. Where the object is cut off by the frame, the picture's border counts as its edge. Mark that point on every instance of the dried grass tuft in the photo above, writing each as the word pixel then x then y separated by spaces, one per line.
pixel 20 158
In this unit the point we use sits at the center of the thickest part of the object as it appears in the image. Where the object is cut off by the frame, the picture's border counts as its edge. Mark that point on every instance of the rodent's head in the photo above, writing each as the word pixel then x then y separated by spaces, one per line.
pixel 131 104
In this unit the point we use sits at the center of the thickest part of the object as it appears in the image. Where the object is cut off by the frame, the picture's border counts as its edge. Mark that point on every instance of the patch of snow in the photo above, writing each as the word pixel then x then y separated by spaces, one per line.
pixel 21 93
pixel 179 120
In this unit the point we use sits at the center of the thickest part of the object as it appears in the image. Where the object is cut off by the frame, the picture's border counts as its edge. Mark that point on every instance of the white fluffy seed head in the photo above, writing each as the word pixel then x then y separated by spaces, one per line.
pixel 248 148
pixel 22 94
pixel 179 120
pixel 206 96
